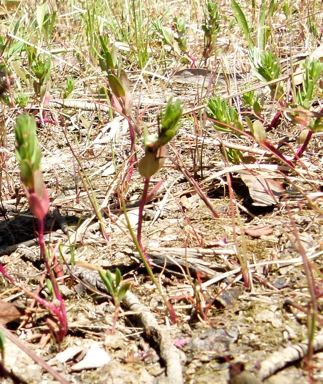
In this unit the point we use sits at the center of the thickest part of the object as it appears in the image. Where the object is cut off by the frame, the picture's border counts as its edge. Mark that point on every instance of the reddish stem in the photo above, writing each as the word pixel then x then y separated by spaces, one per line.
pixel 61 313
pixel 140 217
pixel 303 147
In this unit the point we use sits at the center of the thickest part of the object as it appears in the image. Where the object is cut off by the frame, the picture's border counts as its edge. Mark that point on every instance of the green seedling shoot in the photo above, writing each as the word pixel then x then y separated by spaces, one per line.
pixel 116 290
pixel 221 112
pixel 28 154
pixel 2 347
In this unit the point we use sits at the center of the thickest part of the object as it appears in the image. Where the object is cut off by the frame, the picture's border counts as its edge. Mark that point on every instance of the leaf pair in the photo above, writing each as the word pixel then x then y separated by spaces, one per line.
pixel 116 290
pixel 155 144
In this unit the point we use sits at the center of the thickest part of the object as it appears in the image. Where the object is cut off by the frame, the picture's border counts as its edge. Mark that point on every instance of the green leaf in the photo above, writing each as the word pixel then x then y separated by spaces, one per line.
pixel 50 287
pixel 122 291
pixel 249 123
pixel 262 28
pixel 20 72
pixel 149 165
pixel 242 21
pixel 272 8
pixel 118 277
pixel 106 282
pixel 2 342
pixel 124 80
pixel 257 107
pixel 259 131
pixel 41 11
pixel 168 35
pixel 116 86
pixel 109 276
pixel 27 176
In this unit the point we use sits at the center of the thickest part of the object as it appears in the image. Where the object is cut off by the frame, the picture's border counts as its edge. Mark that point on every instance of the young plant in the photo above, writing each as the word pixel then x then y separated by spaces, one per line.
pixel 252 101
pixel 120 96
pixel 211 28
pixel 175 37
pixel 313 72
pixel 69 88
pixel 221 112
pixel 155 153
pixel 266 68
pixel 29 156
pixel 116 290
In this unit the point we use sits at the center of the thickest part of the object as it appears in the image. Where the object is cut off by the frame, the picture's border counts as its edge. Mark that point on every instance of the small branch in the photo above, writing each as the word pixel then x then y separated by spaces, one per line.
pixel 168 351
pixel 289 355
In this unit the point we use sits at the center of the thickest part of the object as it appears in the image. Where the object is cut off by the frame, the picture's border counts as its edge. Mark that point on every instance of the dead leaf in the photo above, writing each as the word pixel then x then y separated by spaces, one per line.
pixel 220 243
pixel 9 312
pixel 185 202
pixel 8 7
pixel 263 189
pixel 262 230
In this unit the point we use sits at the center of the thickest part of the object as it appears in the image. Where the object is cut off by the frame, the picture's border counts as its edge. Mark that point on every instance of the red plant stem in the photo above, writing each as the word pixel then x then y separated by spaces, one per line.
pixel 44 303
pixel 62 312
pixel 140 217
pixel 198 189
pixel 302 149
pixel 33 355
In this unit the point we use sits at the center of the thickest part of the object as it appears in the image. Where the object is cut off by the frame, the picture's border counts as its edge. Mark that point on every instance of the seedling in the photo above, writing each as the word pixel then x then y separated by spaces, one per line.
pixel 116 290
pixel 155 152
pixel 221 112
pixel 29 156
pixel 211 28
pixel 266 68
pixel 69 88
pixel 313 72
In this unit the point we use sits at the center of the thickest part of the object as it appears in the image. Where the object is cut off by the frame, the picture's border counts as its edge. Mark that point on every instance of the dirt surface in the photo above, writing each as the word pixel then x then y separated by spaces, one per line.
pixel 237 282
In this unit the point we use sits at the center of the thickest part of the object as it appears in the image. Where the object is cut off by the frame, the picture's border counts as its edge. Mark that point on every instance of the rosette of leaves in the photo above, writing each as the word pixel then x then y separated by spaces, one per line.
pixel 223 114
pixel 155 145
pixel 266 68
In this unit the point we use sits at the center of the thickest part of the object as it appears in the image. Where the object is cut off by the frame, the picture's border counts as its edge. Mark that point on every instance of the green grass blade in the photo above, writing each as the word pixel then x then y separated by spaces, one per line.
pixel 262 28
pixel 242 21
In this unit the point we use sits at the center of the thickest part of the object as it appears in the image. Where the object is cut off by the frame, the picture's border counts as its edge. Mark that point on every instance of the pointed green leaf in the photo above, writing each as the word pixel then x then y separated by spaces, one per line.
pixel 41 10
pixel 249 123
pixel 122 291
pixel 116 86
pixel 242 21
pixel 106 282
pixel 259 131
pixel 118 277
pixel 262 28
pixel 20 72
pixel 2 342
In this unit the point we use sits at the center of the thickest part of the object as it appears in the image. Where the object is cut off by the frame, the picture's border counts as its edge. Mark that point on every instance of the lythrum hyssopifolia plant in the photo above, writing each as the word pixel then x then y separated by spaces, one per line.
pixel 29 157
pixel 151 163
pixel 116 290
